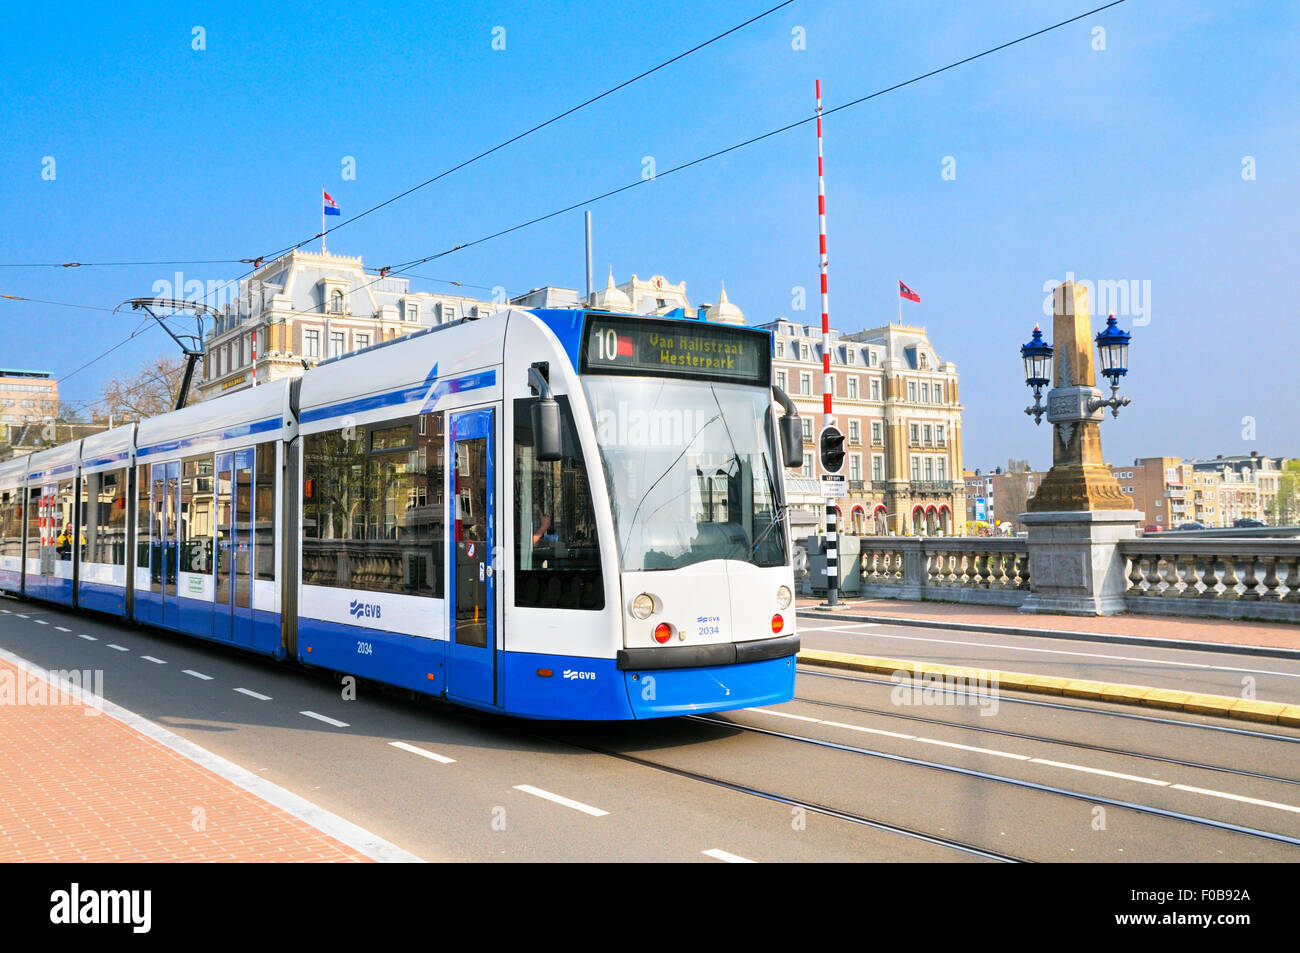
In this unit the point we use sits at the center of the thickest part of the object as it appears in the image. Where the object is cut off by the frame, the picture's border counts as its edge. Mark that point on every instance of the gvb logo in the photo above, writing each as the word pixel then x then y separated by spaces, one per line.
pixel 128 907
pixel 364 610
pixel 579 676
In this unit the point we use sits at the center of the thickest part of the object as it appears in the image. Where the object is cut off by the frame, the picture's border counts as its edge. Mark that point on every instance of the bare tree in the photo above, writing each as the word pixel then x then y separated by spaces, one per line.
pixel 151 392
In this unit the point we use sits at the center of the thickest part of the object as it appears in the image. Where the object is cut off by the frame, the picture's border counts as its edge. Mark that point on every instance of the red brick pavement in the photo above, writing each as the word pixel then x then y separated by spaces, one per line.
pixel 79 786
pixel 1227 632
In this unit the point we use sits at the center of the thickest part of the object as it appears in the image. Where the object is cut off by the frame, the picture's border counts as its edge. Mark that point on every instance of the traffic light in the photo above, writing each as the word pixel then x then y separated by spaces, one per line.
pixel 832 450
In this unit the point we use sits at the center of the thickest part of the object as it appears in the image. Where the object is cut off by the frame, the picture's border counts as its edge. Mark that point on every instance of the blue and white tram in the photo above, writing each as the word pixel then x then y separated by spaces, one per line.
pixel 552 514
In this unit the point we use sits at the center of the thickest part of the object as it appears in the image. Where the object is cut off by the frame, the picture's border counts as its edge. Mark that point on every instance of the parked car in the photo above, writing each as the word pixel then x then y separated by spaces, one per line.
pixel 1195 524
pixel 1246 522
pixel 1153 528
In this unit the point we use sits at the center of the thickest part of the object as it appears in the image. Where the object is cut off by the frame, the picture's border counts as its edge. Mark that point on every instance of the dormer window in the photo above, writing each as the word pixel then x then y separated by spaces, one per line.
pixel 336 302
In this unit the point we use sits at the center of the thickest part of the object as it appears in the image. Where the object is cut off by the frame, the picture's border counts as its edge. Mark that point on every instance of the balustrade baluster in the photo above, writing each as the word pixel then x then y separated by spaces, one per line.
pixel 1135 575
pixel 1230 581
pixel 1251 582
pixel 1209 577
pixel 1272 592
pixel 1293 580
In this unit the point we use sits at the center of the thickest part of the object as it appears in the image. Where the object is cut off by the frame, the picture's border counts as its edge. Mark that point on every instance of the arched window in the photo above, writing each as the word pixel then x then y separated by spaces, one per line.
pixel 336 302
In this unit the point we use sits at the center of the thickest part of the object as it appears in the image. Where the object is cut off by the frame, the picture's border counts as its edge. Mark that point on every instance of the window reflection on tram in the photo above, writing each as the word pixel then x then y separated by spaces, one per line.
pixel 373 507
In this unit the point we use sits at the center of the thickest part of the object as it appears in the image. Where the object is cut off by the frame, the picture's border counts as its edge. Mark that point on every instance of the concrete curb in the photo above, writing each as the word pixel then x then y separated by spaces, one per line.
pixel 1267 651
pixel 1222 705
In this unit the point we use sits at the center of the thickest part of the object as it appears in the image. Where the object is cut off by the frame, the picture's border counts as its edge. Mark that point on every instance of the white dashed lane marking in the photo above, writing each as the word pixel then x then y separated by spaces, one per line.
pixel 1063 765
pixel 40 622
pixel 156 661
pixel 329 721
pixel 441 759
pixel 63 628
pixel 191 672
pixel 717 854
pixel 560 799
pixel 118 648
pixel 88 638
pixel 252 694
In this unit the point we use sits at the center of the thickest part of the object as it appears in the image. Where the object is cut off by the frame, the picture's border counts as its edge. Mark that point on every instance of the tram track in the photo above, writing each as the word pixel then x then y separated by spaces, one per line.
pixel 874 823
pixel 1024 736
pixel 1094 799
pixel 1061 706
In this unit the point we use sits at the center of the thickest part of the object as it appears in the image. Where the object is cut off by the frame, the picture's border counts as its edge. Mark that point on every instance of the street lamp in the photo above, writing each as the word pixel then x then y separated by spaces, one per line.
pixel 1112 346
pixel 1037 355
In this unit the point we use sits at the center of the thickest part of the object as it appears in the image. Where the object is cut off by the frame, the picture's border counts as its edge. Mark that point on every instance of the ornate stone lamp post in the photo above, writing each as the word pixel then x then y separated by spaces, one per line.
pixel 1079 514
pixel 1037 355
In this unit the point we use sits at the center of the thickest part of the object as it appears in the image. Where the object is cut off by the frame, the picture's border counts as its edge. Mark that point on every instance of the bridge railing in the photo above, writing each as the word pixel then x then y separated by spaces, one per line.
pixel 991 571
pixel 1214 577
pixel 1196 576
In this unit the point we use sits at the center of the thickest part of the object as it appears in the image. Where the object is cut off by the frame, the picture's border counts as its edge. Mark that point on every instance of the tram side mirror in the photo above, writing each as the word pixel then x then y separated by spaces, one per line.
pixel 792 440
pixel 548 442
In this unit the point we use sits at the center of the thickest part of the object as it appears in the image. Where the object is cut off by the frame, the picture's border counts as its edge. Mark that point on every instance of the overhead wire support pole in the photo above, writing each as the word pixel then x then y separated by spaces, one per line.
pixel 832 561
pixel 191 345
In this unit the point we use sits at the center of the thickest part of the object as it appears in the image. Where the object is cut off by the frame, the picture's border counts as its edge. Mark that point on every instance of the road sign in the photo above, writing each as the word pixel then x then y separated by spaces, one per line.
pixel 832 449
pixel 834 485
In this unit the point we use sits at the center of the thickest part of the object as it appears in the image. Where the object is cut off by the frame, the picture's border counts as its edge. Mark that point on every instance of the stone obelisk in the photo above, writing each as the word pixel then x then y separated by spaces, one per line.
pixel 1079 514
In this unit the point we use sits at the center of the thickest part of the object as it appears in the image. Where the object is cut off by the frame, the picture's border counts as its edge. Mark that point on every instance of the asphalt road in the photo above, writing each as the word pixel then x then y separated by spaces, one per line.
pixel 856 768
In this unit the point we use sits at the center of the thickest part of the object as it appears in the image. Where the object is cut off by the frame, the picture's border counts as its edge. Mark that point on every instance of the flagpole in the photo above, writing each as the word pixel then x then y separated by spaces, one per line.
pixel 900 300
pixel 323 250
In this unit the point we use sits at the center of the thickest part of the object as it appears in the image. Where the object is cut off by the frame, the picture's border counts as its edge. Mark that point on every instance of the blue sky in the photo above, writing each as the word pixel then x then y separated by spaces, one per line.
pixel 1124 163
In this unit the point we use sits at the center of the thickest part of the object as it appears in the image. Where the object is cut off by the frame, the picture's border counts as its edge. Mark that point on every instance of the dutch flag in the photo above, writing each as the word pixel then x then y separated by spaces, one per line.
pixel 331 207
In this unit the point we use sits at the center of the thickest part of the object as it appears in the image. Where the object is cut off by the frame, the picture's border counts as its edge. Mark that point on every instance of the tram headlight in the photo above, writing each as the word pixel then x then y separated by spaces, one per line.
pixel 643 606
pixel 784 597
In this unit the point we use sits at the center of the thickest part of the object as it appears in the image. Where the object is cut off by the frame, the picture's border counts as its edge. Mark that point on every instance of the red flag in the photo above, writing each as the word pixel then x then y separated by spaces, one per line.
pixel 908 293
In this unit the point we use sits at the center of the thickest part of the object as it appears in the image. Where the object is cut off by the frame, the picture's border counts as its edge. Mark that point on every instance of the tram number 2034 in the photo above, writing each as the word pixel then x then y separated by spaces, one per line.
pixel 365 648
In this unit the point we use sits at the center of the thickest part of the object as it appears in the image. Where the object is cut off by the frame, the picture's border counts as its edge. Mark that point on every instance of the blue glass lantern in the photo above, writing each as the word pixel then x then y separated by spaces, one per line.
pixel 1037 355
pixel 1112 346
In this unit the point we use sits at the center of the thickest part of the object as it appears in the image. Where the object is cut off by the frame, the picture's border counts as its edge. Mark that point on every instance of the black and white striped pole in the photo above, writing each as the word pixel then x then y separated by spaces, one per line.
pixel 831 451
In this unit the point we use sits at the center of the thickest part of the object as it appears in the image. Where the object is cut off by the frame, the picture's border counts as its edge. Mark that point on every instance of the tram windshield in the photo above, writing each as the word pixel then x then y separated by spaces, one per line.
pixel 692 471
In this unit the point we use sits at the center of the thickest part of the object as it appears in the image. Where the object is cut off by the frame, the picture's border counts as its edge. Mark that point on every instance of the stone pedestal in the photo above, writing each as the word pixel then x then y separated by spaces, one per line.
pixel 1074 560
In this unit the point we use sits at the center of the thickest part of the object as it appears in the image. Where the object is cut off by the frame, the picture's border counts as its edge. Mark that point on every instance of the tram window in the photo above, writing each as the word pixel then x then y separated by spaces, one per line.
pixel 34 530
pixel 373 507
pixel 264 512
pixel 142 517
pixel 65 532
pixel 557 555
pixel 11 523
pixel 103 518
pixel 196 504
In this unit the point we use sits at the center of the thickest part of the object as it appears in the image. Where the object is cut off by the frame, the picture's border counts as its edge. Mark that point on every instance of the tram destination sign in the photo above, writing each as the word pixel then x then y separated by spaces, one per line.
pixel 615 344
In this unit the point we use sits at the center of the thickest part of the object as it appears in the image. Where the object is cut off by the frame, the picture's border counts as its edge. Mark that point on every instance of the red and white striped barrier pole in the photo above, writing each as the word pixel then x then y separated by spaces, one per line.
pixel 832 555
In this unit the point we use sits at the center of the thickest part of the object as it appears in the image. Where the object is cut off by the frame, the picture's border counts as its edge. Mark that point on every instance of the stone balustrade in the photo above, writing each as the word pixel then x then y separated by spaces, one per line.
pixel 1216 577
pixel 1190 576
pixel 946 568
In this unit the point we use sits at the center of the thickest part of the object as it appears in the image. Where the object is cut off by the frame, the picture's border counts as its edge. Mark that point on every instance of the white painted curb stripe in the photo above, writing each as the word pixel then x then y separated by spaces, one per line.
pixel 359 839
pixel 729 858
pixel 441 759
pixel 559 799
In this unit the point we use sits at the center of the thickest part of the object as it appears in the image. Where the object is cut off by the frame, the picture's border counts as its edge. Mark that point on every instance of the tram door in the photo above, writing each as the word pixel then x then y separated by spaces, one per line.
pixel 47 516
pixel 471 650
pixel 233 590
pixel 164 543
